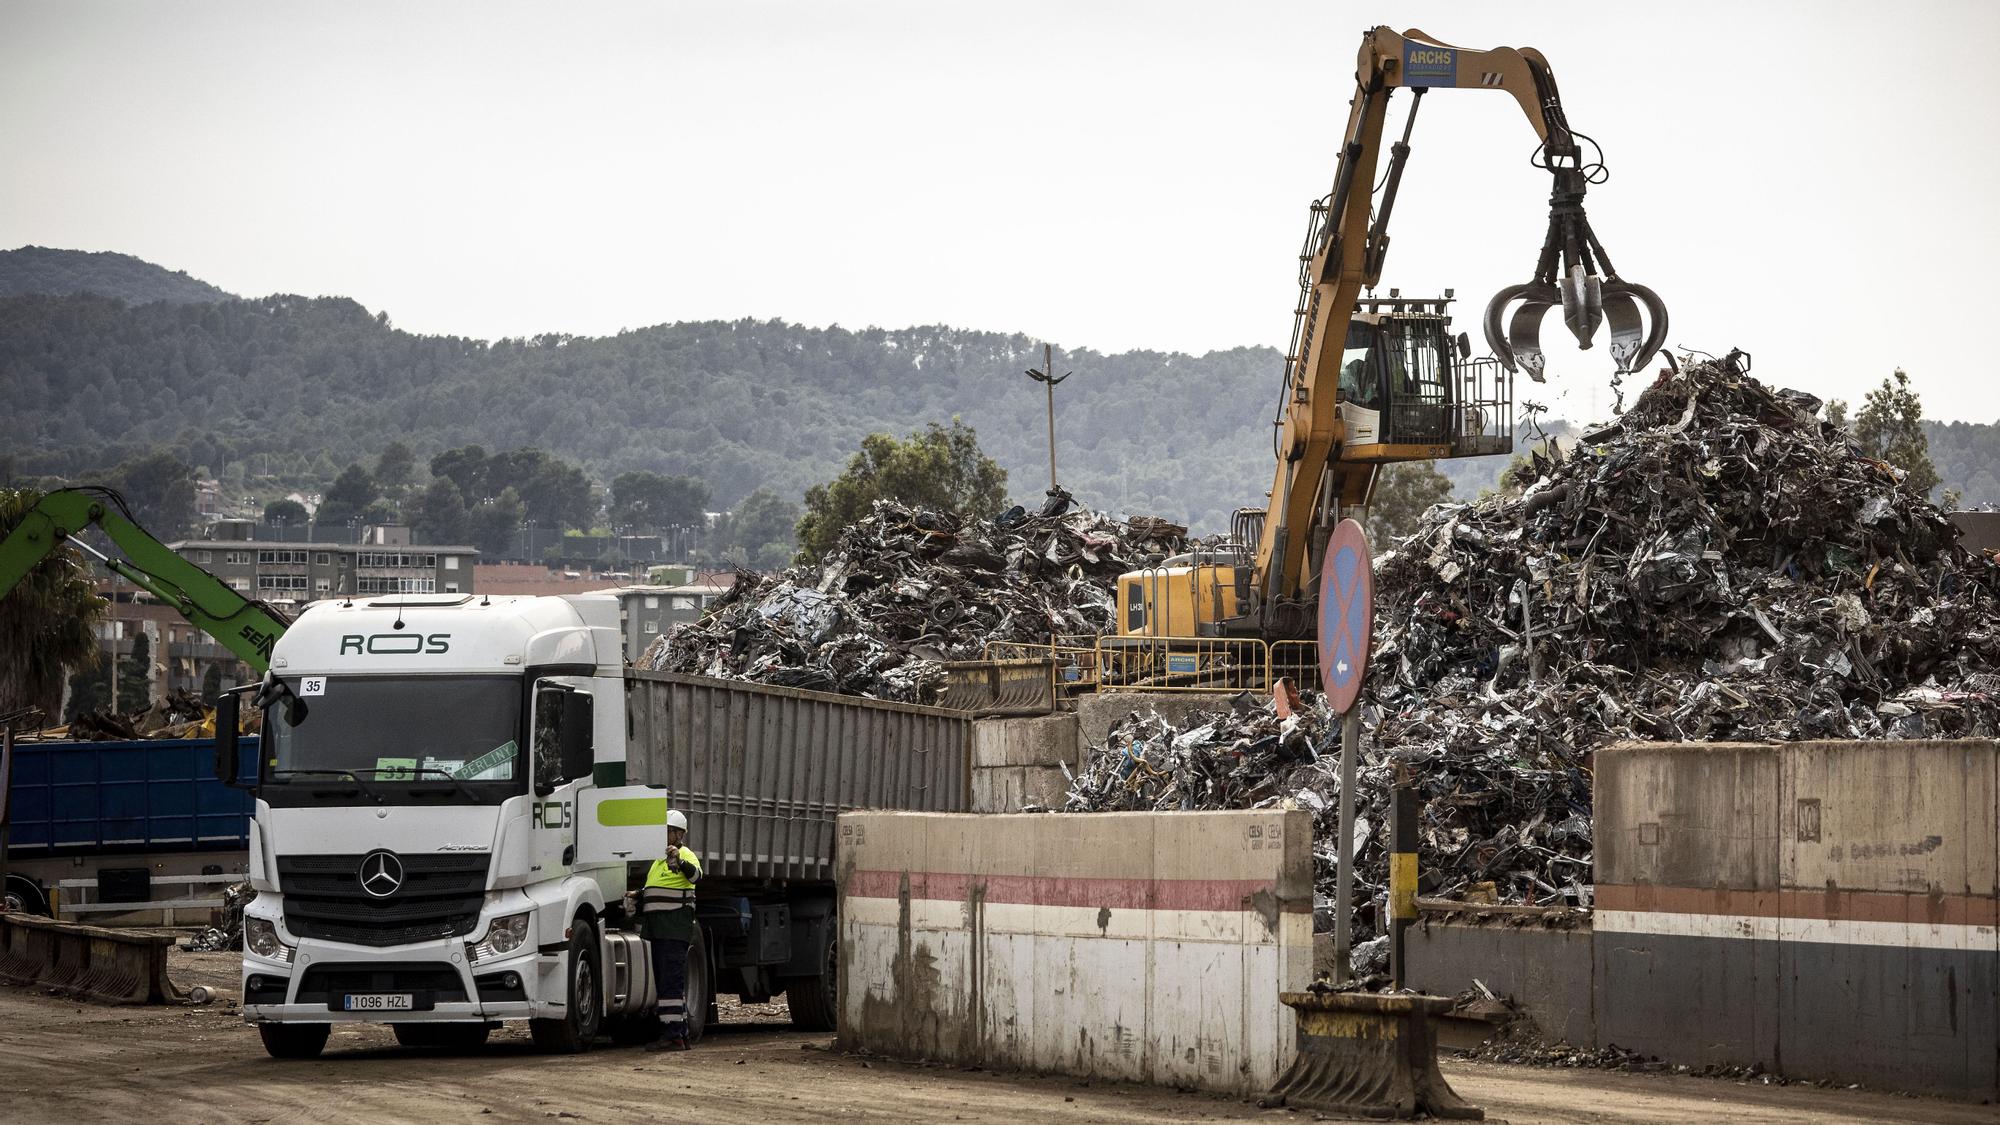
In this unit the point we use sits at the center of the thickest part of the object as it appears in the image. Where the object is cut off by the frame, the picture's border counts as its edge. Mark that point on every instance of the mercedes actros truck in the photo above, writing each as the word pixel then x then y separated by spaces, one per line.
pixel 453 794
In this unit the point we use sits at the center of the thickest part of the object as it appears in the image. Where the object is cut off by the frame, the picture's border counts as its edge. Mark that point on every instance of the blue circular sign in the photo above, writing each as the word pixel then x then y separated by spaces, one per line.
pixel 1346 614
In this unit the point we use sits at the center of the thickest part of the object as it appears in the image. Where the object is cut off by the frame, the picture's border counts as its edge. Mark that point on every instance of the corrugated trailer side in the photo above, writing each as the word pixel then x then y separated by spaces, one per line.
pixel 762 772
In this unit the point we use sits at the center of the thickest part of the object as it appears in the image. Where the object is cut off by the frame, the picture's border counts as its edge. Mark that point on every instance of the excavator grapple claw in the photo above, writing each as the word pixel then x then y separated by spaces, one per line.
pixel 1632 341
pixel 1520 349
pixel 1575 272
pixel 1583 305
pixel 1637 316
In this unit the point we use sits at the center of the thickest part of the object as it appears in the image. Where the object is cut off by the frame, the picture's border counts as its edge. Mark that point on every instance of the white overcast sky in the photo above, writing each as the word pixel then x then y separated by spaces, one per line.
pixel 1812 182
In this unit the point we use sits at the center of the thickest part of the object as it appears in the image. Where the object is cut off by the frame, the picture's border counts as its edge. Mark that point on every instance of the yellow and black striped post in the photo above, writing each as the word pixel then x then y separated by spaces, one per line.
pixel 1402 873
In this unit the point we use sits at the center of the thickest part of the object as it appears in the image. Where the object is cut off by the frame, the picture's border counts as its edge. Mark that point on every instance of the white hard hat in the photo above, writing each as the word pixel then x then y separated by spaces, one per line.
pixel 677 819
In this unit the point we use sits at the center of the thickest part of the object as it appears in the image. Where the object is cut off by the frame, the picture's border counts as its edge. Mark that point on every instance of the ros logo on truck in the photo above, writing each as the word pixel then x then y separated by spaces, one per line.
pixel 396 644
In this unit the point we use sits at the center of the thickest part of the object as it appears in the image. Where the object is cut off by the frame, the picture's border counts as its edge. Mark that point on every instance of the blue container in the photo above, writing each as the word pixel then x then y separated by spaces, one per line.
pixel 68 798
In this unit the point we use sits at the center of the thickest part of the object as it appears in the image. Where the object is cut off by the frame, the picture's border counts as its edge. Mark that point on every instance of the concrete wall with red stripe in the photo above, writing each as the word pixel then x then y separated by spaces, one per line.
pixel 1830 910
pixel 1144 947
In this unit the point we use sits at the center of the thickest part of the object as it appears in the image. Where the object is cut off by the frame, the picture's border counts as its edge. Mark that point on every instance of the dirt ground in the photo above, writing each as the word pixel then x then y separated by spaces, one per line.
pixel 61 1060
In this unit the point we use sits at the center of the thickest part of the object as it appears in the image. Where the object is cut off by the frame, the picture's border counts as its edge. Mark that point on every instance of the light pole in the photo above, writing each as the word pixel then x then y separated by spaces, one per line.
pixel 1047 378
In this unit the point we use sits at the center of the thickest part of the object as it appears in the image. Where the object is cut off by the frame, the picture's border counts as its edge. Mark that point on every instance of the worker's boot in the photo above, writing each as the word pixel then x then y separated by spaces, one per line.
pixel 677 1043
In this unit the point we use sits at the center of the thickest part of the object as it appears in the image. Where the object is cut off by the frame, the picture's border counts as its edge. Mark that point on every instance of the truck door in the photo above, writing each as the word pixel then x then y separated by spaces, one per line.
pixel 620 823
pixel 562 723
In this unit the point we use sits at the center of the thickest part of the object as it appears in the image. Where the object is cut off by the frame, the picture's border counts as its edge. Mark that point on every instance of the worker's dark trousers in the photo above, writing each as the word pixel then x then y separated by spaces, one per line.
pixel 670 972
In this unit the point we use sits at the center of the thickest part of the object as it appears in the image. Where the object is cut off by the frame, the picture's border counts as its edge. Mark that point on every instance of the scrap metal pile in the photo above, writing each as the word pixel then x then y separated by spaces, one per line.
pixel 1719 564
pixel 181 714
pixel 228 934
pixel 907 589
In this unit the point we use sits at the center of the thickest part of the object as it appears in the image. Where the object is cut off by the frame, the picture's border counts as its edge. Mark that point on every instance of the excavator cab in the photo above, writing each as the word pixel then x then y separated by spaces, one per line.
pixel 1411 391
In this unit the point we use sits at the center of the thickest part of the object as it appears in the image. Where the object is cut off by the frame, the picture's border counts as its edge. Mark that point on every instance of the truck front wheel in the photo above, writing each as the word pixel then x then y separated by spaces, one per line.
pixel 294 1040
pixel 571 1033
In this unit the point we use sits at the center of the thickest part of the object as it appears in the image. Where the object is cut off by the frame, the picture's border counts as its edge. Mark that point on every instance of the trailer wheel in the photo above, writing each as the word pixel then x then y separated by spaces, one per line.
pixel 700 987
pixel 23 896
pixel 444 1036
pixel 571 1033
pixel 294 1040
pixel 815 1001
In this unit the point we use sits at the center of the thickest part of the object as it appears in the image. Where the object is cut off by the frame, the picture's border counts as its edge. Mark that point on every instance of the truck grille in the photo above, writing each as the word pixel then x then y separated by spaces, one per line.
pixel 439 896
pixel 429 984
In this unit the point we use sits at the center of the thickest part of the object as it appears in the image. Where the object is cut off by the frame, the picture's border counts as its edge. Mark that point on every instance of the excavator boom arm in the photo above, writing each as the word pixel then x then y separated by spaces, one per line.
pixel 1349 257
pixel 245 627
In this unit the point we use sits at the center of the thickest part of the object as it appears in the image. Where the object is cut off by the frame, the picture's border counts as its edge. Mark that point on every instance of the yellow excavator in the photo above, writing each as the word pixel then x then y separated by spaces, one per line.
pixel 1373 381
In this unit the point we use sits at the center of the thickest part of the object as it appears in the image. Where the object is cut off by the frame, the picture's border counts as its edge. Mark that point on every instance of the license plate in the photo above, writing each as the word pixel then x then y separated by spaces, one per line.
pixel 378 1002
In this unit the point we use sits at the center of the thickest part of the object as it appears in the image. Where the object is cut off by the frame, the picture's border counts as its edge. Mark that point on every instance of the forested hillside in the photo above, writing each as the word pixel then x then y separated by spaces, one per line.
pixel 300 387
pixel 41 270
pixel 88 382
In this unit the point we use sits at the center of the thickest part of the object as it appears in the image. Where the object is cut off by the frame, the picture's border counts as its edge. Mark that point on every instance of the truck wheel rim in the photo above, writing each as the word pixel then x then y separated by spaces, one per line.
pixel 585 996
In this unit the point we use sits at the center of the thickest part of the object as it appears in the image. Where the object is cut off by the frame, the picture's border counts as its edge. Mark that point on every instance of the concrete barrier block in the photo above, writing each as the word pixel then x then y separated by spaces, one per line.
pixel 1829 910
pixel 1043 740
pixel 1135 946
pixel 1008 789
pixel 1545 967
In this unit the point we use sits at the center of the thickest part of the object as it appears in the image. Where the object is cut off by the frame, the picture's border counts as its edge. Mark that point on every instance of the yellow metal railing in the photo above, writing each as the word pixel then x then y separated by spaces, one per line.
pixel 1297 659
pixel 1072 666
pixel 1139 663
pixel 1166 664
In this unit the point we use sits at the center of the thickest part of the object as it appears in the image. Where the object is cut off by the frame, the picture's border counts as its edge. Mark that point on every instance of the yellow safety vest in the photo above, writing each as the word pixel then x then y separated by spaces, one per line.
pixel 666 888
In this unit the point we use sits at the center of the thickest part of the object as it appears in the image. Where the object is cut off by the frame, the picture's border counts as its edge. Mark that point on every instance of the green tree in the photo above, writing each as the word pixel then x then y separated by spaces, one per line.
pixel 348 497
pixel 933 467
pixel 495 522
pixel 395 468
pixel 556 494
pixel 763 525
pixel 652 501
pixel 289 512
pixel 160 491
pixel 135 675
pixel 513 468
pixel 1891 427
pixel 1836 412
pixel 440 514
pixel 47 622
pixel 89 690
pixel 464 467
pixel 1402 496
pixel 381 512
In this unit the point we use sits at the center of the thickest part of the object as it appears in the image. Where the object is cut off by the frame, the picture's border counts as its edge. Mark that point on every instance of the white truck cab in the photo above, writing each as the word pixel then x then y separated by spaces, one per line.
pixel 442 823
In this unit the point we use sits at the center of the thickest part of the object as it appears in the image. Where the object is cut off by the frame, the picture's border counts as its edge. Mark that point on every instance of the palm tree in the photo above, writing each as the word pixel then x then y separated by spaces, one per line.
pixel 46 623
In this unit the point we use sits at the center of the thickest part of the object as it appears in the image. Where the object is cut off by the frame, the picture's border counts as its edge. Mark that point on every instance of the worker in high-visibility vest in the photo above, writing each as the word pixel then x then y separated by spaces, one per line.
pixel 666 918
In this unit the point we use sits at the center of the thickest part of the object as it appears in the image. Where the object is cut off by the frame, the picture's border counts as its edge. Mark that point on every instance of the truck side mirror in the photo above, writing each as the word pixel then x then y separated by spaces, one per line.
pixel 1464 346
pixel 228 712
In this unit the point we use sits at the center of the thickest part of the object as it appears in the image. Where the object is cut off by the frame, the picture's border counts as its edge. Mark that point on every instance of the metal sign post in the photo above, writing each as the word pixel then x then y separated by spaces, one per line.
pixel 1346 629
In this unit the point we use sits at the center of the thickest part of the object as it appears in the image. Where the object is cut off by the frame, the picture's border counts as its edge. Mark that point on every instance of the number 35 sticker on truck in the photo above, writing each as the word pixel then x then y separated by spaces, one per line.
pixel 312 685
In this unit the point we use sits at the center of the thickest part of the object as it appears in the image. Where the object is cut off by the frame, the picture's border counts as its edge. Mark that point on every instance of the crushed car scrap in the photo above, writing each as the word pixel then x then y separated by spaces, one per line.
pixel 1719 564
pixel 907 589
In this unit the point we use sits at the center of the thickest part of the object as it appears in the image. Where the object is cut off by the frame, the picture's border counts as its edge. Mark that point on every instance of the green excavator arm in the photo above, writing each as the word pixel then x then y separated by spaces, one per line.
pixel 245 627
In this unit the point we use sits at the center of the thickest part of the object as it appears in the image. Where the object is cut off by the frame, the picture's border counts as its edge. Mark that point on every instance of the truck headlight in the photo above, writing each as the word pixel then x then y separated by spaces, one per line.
pixel 260 936
pixel 504 936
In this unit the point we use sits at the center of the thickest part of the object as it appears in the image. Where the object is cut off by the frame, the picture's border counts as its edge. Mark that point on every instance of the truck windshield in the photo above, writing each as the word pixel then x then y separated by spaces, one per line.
pixel 399 738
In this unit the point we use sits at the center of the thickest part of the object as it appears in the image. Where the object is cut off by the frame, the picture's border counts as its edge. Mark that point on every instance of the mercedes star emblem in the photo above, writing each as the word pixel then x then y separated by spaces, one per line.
pixel 381 873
